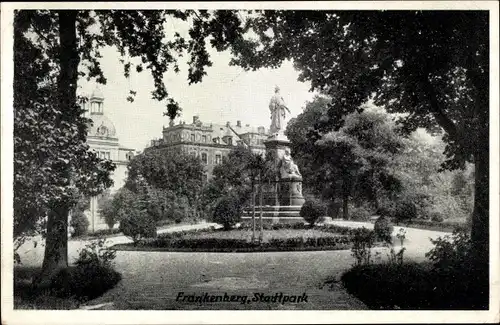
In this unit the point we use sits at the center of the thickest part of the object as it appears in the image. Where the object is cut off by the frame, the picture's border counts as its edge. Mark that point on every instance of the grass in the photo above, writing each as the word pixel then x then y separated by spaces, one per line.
pixel 27 297
pixel 67 290
pixel 413 286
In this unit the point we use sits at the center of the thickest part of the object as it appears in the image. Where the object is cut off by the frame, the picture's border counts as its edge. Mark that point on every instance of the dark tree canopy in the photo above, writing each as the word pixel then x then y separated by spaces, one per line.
pixel 430 65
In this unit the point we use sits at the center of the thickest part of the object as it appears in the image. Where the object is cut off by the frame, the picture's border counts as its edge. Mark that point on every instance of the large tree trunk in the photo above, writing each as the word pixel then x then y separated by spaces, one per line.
pixel 56 244
pixel 56 248
pixel 479 264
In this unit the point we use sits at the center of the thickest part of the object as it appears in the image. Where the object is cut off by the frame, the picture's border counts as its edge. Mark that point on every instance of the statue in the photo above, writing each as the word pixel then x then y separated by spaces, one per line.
pixel 288 168
pixel 277 107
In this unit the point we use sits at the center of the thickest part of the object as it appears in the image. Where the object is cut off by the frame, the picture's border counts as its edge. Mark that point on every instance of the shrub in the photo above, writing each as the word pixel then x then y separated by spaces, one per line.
pixel 362 240
pixel 79 223
pixel 312 210
pixel 108 206
pixel 91 277
pixel 138 225
pixel 360 214
pixel 227 212
pixel 451 252
pixel 106 232
pixel 383 229
pixel 405 211
pixel 436 217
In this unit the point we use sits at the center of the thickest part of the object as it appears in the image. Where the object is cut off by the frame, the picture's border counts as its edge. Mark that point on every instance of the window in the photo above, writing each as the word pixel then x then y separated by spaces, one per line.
pixel 108 155
pixel 218 159
pixel 230 141
pixel 204 158
pixel 193 137
pixel 204 139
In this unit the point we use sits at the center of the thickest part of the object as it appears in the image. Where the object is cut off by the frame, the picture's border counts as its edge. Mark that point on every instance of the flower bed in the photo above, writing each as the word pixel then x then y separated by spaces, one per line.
pixel 278 237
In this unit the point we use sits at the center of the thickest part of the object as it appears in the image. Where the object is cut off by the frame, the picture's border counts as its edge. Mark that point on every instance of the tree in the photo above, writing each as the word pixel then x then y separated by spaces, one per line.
pixel 52 164
pixel 411 62
pixel 353 163
pixel 64 45
pixel 233 176
pixel 170 176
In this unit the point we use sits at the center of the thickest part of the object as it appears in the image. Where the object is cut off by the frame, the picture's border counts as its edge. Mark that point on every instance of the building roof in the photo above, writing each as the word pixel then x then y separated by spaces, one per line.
pixel 102 126
pixel 97 94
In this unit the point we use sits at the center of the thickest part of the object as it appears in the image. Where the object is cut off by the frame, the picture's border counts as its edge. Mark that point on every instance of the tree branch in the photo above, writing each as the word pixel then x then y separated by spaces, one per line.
pixel 435 108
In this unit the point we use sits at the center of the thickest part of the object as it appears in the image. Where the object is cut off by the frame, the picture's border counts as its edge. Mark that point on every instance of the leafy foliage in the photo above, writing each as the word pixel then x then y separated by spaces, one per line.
pixel 411 62
pixel 351 164
pixel 451 253
pixel 237 176
pixel 91 277
pixel 363 240
pixel 79 223
pixel 312 211
pixel 383 229
pixel 405 211
pixel 227 211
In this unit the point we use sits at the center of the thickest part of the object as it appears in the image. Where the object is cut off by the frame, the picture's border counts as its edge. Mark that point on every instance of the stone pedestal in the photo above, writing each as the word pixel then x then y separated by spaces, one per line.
pixel 282 198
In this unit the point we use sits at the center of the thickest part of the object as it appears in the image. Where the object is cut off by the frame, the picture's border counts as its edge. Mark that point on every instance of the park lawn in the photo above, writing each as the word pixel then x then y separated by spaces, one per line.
pixel 25 297
pixel 245 234
pixel 68 289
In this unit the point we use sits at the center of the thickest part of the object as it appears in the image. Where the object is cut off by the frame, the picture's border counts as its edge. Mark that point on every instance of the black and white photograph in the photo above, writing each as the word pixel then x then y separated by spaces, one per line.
pixel 311 162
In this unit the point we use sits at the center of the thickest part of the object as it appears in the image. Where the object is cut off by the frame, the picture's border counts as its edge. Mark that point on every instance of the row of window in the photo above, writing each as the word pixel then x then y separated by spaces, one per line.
pixel 177 137
pixel 103 154
pixel 204 157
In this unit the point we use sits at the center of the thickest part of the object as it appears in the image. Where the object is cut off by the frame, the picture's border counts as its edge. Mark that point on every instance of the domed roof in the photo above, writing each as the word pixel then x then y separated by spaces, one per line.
pixel 97 94
pixel 102 126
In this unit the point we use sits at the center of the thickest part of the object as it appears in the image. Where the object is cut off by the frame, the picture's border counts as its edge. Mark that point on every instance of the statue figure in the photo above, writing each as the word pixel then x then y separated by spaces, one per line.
pixel 277 107
pixel 288 168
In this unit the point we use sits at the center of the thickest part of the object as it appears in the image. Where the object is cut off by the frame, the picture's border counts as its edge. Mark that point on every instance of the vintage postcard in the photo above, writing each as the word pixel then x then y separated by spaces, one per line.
pixel 250 162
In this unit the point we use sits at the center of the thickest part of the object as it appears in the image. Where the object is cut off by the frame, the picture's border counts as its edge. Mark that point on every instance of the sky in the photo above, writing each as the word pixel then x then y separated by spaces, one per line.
pixel 226 93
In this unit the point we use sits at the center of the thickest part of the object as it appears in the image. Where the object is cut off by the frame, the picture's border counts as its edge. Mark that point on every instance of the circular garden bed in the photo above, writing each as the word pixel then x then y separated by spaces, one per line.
pixel 277 237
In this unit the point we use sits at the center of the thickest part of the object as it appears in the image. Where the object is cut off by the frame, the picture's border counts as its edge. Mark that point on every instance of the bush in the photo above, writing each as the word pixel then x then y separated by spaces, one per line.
pixel 362 240
pixel 436 217
pixel 106 232
pixel 79 223
pixel 405 211
pixel 227 212
pixel 383 229
pixel 138 225
pixel 178 241
pixel 360 214
pixel 91 277
pixel 451 252
pixel 448 282
pixel 312 210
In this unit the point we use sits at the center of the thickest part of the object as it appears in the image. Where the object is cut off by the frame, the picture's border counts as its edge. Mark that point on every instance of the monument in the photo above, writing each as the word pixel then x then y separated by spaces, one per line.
pixel 283 197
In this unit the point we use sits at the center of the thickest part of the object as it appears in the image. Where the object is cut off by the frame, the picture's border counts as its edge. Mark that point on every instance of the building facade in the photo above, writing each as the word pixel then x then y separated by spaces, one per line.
pixel 209 141
pixel 103 140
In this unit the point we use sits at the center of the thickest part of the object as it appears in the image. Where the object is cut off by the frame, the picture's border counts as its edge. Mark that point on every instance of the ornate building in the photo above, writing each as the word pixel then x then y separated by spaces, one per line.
pixel 211 142
pixel 103 140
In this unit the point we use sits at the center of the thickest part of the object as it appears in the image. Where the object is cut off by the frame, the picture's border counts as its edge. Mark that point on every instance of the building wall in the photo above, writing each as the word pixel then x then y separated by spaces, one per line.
pixel 211 142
